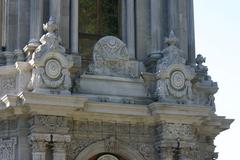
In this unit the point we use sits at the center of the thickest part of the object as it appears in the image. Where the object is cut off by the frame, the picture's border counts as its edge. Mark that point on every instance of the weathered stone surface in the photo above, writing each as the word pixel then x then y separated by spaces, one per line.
pixel 179 83
pixel 50 64
pixel 111 58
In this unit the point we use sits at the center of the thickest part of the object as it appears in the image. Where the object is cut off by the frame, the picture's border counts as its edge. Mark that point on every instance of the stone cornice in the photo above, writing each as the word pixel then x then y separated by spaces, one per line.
pixel 79 107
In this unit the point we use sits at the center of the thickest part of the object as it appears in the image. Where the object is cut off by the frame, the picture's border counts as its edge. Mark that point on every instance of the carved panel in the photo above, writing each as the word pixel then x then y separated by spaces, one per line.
pixel 111 58
pixel 48 123
pixel 175 130
pixel 7 84
pixel 7 149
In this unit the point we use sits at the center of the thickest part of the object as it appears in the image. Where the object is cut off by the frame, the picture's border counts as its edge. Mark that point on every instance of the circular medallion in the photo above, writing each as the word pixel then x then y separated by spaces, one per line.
pixel 177 80
pixel 53 68
pixel 107 157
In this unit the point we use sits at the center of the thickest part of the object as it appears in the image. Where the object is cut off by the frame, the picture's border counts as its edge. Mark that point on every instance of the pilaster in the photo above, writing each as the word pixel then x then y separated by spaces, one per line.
pixel 39 145
pixel 60 146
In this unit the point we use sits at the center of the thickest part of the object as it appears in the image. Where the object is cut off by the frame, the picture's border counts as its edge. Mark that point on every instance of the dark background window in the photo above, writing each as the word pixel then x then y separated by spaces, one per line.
pixel 97 18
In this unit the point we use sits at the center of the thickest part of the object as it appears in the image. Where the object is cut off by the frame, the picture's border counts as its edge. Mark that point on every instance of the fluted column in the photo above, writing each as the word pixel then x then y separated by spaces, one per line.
pixel 156 25
pixel 128 26
pixel 11 27
pixel 74 26
pixel 181 21
pixel 60 9
pixel 191 34
pixel 143 31
pixel 36 19
pixel 23 11
pixel 1 14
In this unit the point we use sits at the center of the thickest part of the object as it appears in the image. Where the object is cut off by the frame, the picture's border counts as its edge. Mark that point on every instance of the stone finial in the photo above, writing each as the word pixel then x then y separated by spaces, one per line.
pixel 51 25
pixel 200 59
pixel 172 39
pixel 200 68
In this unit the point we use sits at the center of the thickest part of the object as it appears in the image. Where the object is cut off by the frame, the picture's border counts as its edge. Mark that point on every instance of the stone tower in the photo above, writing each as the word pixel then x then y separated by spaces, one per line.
pixel 104 80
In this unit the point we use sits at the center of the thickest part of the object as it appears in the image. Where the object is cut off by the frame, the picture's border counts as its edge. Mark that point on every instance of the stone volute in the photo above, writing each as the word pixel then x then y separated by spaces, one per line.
pixel 50 64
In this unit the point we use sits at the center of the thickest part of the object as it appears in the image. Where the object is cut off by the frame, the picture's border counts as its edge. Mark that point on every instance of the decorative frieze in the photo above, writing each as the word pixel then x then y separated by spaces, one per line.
pixel 49 123
pixel 6 125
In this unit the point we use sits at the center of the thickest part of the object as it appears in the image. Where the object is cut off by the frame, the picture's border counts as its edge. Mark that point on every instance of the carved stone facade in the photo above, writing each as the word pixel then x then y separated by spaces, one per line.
pixel 50 63
pixel 119 108
pixel 8 149
pixel 111 58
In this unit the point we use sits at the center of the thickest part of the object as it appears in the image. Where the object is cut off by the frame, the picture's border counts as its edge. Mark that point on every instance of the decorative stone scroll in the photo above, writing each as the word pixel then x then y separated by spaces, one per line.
pixel 7 149
pixel 50 63
pixel 111 58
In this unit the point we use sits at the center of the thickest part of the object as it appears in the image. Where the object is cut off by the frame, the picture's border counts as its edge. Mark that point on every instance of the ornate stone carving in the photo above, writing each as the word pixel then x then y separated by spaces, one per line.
pixel 177 82
pixel 7 149
pixel 50 64
pixel 175 130
pixel 173 75
pixel 146 151
pixel 107 157
pixel 111 145
pixel 204 88
pixel 49 123
pixel 111 58
pixel 7 84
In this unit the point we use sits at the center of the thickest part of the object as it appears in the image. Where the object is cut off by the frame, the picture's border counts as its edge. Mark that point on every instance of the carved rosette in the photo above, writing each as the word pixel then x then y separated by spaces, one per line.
pixel 174 82
pixel 50 64
pixel 173 75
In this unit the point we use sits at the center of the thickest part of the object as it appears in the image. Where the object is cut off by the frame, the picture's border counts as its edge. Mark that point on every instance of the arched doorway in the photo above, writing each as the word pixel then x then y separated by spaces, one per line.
pixel 106 156
pixel 96 150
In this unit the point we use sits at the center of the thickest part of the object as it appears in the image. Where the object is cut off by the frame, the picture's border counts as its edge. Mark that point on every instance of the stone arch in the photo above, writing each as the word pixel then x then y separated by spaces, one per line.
pixel 99 147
